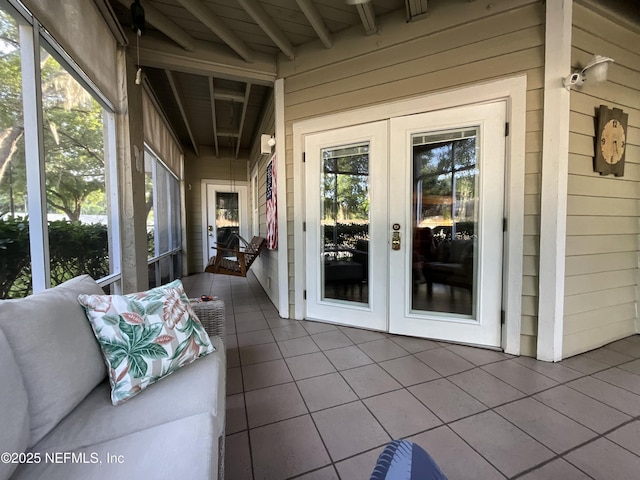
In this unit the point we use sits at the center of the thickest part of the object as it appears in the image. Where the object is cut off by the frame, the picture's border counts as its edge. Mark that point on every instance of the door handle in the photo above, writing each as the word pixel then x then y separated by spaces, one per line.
pixel 395 241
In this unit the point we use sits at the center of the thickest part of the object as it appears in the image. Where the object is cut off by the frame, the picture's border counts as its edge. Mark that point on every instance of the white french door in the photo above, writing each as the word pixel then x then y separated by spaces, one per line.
pixel 346 195
pixel 404 224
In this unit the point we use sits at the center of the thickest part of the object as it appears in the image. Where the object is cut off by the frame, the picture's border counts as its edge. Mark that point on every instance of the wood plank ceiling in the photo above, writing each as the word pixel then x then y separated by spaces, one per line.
pixel 211 63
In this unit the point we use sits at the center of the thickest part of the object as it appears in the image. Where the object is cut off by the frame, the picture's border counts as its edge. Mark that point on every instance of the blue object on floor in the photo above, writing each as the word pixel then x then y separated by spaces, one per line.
pixel 403 460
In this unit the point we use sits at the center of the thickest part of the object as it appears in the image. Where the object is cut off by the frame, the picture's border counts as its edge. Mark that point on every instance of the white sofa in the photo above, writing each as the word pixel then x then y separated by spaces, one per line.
pixel 55 411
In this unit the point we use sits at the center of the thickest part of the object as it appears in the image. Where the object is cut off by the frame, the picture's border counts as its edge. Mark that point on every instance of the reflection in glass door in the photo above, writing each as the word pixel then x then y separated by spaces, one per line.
pixel 445 195
pixel 345 223
pixel 227 219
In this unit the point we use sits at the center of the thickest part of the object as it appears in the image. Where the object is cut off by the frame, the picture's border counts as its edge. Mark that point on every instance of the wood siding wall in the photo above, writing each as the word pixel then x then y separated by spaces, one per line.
pixel 601 280
pixel 205 167
pixel 457 44
pixel 266 268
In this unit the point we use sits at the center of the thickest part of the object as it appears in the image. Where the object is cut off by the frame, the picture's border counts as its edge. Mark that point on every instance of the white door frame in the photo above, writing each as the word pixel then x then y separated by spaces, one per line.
pixel 514 91
pixel 243 204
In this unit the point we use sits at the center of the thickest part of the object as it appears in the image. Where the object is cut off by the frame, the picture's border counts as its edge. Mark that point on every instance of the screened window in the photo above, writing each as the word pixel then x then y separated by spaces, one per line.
pixel 163 221
pixel 58 217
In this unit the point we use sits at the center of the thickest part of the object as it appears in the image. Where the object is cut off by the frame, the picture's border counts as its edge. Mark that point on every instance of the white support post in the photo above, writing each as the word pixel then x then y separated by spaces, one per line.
pixel 281 169
pixel 555 170
pixel 34 151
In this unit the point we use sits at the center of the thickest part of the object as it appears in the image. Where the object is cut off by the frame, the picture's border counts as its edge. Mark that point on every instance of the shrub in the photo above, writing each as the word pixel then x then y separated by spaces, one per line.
pixel 74 249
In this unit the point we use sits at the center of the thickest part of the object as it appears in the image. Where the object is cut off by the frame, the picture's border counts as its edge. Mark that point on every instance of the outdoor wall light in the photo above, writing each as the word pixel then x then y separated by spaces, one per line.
pixel 597 67
pixel 266 142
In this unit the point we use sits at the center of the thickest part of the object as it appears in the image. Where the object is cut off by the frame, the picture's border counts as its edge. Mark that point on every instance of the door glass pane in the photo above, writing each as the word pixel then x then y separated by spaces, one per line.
pixel 345 221
pixel 227 219
pixel 444 240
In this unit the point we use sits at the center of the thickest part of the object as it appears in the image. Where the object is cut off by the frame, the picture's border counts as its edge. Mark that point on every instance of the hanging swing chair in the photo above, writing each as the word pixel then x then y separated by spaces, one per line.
pixel 236 257
pixel 236 260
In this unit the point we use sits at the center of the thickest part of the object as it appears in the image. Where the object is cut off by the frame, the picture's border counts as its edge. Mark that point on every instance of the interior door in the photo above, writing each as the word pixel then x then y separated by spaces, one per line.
pixel 346 228
pixel 447 184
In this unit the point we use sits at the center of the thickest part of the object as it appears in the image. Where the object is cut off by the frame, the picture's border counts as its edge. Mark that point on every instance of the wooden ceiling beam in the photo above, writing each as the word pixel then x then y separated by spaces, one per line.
pixel 204 14
pixel 416 9
pixel 178 99
pixel 310 11
pixel 160 21
pixel 247 91
pixel 262 18
pixel 212 97
pixel 368 17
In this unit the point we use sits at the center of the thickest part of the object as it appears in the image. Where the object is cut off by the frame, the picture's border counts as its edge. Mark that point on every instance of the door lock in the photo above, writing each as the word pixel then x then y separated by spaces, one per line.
pixel 395 240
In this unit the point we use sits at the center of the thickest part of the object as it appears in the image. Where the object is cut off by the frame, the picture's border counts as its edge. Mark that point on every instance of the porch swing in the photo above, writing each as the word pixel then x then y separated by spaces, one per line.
pixel 236 257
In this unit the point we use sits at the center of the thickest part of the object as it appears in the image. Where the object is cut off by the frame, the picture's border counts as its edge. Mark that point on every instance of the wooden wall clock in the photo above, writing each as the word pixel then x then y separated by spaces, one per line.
pixel 611 138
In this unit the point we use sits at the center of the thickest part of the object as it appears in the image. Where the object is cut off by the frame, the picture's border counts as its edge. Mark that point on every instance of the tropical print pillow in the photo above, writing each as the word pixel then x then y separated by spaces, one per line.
pixel 145 336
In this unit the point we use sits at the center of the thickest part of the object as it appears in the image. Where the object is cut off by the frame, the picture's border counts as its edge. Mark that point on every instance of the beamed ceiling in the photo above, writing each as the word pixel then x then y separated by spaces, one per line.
pixel 211 63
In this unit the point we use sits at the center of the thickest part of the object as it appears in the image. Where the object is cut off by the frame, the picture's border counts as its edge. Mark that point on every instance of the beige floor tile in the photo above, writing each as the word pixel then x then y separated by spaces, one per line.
pixel 401 414
pixel 409 370
pixel 486 388
pixel 558 469
pixel 444 361
pixel 549 427
pixel 286 449
pixel 447 400
pixel 520 377
pixel 381 350
pixel 326 391
pixel 349 429
pixel 454 457
pixel 627 436
pixel 583 409
pixel 265 374
pixel 504 445
pixel 604 460
pixel 272 404
pixel 309 365
pixel 348 357
pixel 370 380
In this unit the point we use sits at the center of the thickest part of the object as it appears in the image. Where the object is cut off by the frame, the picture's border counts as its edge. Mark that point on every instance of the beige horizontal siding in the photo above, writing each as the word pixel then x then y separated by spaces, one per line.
pixel 459 44
pixel 601 278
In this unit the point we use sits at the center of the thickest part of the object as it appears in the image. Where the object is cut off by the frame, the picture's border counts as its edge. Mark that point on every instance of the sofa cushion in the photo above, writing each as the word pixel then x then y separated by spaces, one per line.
pixel 194 389
pixel 184 448
pixel 14 416
pixel 145 336
pixel 55 349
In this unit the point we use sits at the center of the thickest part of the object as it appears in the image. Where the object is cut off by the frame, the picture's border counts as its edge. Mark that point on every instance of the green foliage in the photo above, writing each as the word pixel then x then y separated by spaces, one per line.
pixel 15 261
pixel 73 135
pixel 74 249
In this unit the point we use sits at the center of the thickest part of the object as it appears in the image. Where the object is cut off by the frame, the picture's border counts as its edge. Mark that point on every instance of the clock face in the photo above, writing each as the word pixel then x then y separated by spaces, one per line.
pixel 612 141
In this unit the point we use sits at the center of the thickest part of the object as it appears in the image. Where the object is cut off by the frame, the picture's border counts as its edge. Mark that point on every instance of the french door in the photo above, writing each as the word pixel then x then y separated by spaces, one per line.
pixel 404 224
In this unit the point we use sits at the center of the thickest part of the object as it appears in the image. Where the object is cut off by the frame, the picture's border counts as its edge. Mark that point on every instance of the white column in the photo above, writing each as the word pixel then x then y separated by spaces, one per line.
pixel 555 168
pixel 34 151
pixel 281 171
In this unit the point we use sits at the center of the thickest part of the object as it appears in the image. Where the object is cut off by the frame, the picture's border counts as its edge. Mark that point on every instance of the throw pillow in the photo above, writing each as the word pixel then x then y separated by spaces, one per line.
pixel 145 336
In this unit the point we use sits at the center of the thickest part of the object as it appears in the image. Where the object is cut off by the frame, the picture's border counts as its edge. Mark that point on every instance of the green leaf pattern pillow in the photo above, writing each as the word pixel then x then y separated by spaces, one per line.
pixel 145 336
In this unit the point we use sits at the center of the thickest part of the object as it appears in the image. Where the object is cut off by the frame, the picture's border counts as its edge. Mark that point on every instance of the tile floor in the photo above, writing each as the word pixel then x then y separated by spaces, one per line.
pixel 315 401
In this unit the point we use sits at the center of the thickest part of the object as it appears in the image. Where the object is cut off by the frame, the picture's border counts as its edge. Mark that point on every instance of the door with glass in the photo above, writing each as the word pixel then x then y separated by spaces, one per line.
pixel 226 217
pixel 346 227
pixel 404 227
pixel 447 172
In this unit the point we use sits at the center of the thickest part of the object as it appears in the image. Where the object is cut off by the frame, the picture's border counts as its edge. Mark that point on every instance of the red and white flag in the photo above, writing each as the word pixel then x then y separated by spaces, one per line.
pixel 272 206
